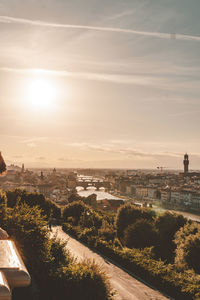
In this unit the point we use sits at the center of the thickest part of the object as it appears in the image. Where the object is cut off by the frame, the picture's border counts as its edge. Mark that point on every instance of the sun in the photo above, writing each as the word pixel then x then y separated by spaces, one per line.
pixel 41 94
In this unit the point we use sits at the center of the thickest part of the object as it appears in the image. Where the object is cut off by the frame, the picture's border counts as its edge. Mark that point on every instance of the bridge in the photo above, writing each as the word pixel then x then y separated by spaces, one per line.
pixel 87 181
pixel 93 183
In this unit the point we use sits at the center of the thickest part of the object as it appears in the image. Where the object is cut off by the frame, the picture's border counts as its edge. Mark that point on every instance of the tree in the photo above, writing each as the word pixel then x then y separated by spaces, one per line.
pixel 91 200
pixel 75 210
pixel 32 199
pixel 74 197
pixel 141 234
pixel 167 225
pixel 185 231
pixel 128 214
pixel 187 240
pixel 90 218
pixel 3 208
pixel 2 164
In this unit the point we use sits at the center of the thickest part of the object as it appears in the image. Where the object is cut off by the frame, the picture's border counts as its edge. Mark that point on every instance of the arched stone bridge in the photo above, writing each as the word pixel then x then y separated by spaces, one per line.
pixel 96 184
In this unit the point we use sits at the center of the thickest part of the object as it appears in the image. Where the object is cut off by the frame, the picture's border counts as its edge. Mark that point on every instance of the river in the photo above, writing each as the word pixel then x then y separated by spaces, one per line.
pixel 101 194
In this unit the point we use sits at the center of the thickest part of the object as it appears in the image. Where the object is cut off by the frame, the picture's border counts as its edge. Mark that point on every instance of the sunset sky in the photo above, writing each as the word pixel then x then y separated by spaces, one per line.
pixel 107 83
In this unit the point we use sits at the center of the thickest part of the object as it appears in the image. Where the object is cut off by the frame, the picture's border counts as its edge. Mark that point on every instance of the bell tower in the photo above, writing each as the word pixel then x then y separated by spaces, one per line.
pixel 186 163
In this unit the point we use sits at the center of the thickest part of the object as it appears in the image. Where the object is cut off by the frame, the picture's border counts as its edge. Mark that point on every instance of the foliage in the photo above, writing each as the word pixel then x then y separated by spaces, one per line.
pixel 107 231
pixel 90 218
pixel 187 240
pixel 128 214
pixel 185 231
pixel 3 207
pixel 91 200
pixel 74 197
pixel 52 268
pixel 85 280
pixel 86 234
pixel 179 285
pixel 48 207
pixel 141 234
pixel 75 210
pixel 167 225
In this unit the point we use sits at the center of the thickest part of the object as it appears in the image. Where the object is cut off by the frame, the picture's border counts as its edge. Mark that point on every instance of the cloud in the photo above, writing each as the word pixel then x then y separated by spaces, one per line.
pixel 127 152
pixel 161 35
pixel 63 159
pixel 108 77
pixel 158 82
pixel 41 158
pixel 120 15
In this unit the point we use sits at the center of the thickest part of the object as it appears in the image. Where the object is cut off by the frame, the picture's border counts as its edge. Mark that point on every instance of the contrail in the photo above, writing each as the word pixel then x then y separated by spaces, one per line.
pixel 13 20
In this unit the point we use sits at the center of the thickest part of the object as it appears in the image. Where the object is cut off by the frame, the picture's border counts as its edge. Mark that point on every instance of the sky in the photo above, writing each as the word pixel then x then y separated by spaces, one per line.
pixel 100 84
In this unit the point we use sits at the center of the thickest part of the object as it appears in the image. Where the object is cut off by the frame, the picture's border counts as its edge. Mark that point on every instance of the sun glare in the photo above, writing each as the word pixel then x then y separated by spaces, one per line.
pixel 41 94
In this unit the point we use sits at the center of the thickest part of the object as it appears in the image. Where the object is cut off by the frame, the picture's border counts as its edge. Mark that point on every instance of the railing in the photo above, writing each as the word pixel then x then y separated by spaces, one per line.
pixel 13 272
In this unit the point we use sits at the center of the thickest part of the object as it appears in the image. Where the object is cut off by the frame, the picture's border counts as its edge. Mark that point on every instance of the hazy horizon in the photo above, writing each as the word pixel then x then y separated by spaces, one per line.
pixel 100 84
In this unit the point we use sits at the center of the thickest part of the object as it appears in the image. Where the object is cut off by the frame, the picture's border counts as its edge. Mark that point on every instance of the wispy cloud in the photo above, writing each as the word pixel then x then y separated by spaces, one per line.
pixel 41 158
pixel 128 152
pixel 156 82
pixel 121 15
pixel 109 77
pixel 23 21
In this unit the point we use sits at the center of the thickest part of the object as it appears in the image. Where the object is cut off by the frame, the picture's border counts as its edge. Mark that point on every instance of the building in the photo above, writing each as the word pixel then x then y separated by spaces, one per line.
pixel 151 193
pixel 166 194
pixel 175 196
pixel 186 164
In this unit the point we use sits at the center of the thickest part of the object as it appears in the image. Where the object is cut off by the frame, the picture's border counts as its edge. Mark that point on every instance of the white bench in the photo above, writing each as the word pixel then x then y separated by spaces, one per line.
pixel 13 272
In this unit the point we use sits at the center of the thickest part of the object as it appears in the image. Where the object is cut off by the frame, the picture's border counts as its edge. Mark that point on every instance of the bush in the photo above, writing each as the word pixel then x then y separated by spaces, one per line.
pixel 85 281
pixel 90 218
pixel 185 231
pixel 3 208
pixel 75 210
pixel 55 273
pixel 141 234
pixel 128 214
pixel 18 196
pixel 86 234
pixel 167 225
pixel 187 240
pixel 107 231
pixel 179 285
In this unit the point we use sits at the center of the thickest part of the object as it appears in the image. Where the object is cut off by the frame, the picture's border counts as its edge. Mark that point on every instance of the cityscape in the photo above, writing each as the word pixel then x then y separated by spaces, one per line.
pixel 99 150
pixel 165 188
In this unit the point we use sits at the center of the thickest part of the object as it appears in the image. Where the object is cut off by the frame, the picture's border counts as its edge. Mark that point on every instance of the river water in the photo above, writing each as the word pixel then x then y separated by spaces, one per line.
pixel 101 194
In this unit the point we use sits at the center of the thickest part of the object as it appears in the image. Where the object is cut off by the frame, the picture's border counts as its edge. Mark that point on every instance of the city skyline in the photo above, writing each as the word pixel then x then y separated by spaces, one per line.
pixel 101 84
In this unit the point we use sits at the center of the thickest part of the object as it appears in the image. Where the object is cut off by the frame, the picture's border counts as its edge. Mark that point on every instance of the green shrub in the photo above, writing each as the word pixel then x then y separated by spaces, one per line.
pixel 85 281
pixel 187 243
pixel 48 207
pixel 90 218
pixel 128 214
pixel 75 210
pixel 167 225
pixel 55 273
pixel 86 234
pixel 141 234
pixel 107 231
